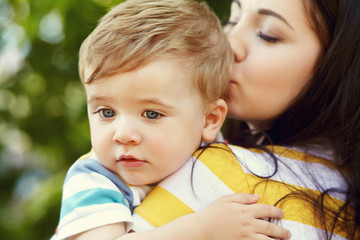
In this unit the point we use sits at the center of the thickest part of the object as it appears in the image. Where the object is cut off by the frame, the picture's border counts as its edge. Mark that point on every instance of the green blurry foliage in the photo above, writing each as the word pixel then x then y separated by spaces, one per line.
pixel 43 119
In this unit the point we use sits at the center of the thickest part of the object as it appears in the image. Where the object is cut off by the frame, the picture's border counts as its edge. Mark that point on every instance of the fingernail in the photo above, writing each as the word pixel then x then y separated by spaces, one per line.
pixel 288 235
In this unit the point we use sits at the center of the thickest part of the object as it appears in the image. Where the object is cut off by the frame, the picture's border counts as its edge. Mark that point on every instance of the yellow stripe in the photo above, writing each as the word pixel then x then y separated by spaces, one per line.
pixel 161 207
pixel 222 162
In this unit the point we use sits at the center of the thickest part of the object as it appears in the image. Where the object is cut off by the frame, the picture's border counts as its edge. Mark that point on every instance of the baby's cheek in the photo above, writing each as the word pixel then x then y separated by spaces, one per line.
pixel 165 149
pixel 161 145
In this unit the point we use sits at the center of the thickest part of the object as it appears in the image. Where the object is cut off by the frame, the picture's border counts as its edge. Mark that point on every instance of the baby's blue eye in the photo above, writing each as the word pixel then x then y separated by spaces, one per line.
pixel 107 113
pixel 151 114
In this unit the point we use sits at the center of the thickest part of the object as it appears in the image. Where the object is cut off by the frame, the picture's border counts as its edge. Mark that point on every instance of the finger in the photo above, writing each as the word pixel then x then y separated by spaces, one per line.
pixel 272 230
pixel 243 198
pixel 266 211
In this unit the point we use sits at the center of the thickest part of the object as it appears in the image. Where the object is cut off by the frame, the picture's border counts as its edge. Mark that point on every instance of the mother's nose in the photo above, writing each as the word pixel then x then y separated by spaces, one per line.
pixel 238 46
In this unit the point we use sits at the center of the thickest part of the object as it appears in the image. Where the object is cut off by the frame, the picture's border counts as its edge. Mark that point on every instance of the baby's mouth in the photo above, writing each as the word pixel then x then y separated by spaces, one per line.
pixel 129 161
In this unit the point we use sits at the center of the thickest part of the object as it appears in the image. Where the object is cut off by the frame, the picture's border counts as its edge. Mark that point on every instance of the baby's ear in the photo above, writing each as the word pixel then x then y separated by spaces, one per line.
pixel 215 117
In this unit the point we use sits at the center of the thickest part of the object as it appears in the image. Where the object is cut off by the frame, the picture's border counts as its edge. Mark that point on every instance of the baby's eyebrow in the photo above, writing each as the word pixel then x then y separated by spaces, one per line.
pixel 154 101
pixel 98 98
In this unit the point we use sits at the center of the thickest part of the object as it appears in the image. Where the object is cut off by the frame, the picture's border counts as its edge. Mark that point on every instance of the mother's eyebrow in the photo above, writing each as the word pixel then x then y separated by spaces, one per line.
pixel 274 14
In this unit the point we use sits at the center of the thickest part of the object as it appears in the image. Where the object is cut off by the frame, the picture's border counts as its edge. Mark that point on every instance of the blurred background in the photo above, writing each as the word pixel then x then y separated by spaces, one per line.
pixel 43 120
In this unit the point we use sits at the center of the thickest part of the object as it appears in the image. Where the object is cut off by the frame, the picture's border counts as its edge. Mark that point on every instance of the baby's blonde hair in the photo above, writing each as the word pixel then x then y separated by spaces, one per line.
pixel 137 32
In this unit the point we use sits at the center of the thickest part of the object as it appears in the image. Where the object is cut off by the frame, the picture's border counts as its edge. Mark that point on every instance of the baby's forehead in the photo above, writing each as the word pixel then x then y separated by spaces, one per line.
pixel 161 79
pixel 184 62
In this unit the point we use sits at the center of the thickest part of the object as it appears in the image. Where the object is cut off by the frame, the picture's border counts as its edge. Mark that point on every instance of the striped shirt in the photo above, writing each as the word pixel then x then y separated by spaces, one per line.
pixel 222 170
pixel 94 196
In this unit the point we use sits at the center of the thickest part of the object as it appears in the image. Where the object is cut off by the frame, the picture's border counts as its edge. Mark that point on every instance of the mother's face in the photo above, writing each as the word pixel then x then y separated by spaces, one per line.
pixel 276 51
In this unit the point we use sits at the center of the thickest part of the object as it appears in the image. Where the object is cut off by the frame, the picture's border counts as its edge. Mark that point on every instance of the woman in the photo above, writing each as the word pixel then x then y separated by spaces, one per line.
pixel 306 98
pixel 295 89
pixel 309 98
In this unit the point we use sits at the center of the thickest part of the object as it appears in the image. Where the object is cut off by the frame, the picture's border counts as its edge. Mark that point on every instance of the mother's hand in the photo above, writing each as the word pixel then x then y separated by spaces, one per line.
pixel 239 216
